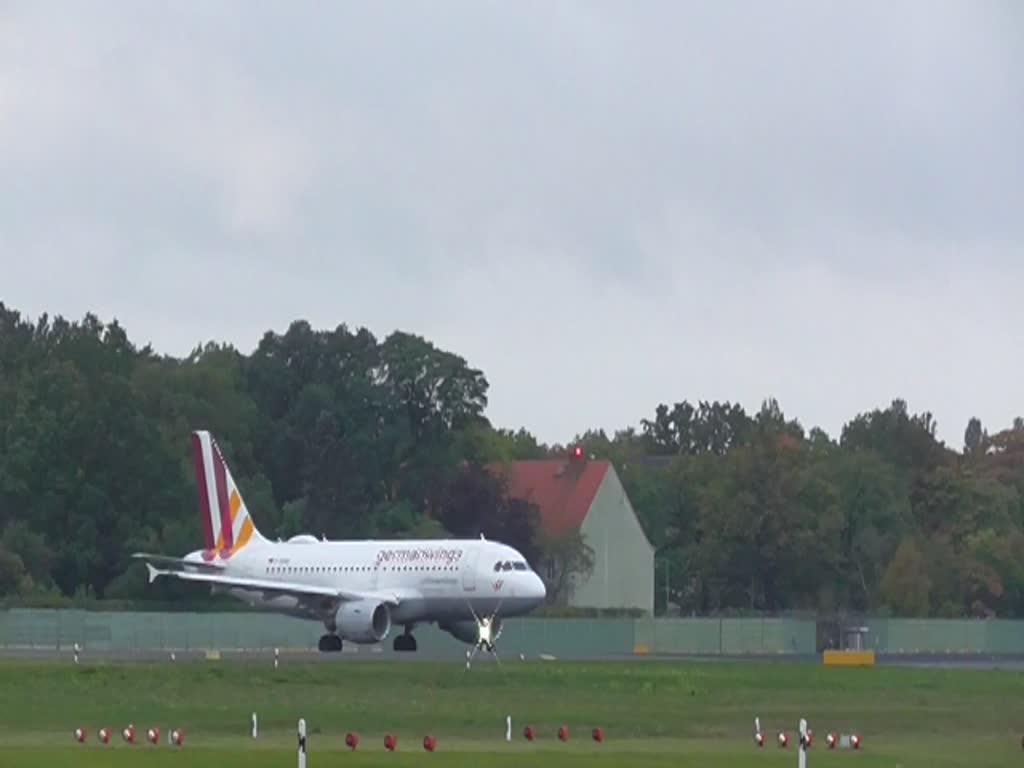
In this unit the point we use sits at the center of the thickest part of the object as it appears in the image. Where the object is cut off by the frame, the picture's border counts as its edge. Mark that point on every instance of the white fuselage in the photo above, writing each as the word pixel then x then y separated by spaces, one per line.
pixel 434 580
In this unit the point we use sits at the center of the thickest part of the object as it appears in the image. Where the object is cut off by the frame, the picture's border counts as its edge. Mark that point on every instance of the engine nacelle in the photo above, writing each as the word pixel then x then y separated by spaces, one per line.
pixel 466 631
pixel 363 621
pixel 469 631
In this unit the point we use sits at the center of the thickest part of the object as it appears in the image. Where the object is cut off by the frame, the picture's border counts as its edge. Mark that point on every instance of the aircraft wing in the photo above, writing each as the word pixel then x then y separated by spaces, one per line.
pixel 270 587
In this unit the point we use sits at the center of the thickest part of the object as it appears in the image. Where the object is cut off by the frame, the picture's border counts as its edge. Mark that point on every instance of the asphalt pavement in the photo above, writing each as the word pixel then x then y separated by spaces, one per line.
pixel 378 654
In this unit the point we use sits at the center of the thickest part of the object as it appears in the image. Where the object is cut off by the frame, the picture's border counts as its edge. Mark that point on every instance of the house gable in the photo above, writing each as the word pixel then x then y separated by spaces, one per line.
pixel 623 575
pixel 630 519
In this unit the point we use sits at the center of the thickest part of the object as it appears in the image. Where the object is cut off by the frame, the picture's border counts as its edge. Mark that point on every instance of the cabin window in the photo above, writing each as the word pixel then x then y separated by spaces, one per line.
pixel 520 566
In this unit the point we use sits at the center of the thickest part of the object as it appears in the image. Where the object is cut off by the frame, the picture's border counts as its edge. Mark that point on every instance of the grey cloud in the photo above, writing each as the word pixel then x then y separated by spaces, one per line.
pixel 603 205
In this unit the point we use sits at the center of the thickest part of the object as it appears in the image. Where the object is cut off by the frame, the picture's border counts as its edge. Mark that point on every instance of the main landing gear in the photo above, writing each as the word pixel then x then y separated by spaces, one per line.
pixel 405 642
pixel 330 643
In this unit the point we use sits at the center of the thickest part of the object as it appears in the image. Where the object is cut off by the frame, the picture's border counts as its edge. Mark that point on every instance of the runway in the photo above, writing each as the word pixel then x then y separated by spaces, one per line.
pixel 1012 663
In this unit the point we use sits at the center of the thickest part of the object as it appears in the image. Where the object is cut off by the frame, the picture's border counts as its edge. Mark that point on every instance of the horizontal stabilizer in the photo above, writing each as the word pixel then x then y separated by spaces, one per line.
pixel 178 561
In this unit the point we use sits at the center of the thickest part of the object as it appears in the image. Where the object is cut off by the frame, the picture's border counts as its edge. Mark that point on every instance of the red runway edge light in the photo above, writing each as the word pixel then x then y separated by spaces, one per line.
pixel 598 735
pixel 563 733
pixel 352 741
pixel 529 734
pixel 390 742
pixel 429 743
pixel 81 735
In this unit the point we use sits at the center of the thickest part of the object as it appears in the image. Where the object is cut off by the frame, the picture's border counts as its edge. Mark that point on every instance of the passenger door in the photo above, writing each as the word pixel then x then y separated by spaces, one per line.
pixel 469 569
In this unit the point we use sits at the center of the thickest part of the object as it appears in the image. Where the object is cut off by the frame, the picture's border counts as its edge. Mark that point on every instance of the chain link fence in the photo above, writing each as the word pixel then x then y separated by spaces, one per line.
pixel 582 638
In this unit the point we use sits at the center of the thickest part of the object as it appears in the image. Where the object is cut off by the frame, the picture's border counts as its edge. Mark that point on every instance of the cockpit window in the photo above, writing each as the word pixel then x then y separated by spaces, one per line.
pixel 510 566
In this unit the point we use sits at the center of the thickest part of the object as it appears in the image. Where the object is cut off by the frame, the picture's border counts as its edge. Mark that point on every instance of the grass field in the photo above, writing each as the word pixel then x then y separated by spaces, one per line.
pixel 653 714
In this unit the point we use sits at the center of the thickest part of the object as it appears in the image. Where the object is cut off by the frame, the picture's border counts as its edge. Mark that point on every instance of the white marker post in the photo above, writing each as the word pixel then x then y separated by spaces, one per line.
pixel 508 728
pixel 277 653
pixel 78 649
pixel 802 752
pixel 255 727
pixel 302 743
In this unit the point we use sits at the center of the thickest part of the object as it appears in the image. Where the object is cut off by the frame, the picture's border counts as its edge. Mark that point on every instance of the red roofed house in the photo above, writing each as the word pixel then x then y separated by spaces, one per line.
pixel 586 494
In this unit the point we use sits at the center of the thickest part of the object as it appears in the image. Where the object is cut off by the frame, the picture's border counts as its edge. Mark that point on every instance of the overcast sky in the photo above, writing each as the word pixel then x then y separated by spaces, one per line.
pixel 602 205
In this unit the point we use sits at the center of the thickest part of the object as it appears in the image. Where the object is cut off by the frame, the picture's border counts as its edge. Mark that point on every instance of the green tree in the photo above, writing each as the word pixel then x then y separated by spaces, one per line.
pixel 686 429
pixel 566 560
pixel 334 432
pixel 13 577
pixel 477 502
pixel 906 441
pixel 974 437
pixel 875 508
pixel 906 585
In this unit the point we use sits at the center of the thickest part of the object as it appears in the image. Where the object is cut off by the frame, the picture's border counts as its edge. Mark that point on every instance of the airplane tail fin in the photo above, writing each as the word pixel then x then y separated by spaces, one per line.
pixel 227 525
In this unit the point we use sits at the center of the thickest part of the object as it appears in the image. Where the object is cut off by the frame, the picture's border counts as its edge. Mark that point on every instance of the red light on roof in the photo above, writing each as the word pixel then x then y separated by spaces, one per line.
pixel 578 451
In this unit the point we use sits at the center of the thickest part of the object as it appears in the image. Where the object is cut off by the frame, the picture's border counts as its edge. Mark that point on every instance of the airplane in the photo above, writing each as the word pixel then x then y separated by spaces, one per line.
pixel 359 590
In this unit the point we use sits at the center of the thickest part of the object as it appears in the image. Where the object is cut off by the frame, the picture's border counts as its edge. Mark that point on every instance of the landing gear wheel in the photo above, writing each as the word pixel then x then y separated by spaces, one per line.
pixel 405 643
pixel 330 643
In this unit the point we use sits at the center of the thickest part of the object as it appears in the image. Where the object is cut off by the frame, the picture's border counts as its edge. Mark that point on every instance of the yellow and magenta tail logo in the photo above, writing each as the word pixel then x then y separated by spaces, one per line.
pixel 227 527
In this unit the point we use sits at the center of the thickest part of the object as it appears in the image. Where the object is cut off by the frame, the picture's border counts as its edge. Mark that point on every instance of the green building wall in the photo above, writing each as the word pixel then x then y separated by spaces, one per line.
pixel 623 575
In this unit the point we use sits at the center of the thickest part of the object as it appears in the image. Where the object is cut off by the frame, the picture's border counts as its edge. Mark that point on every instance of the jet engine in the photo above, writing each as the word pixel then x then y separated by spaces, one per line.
pixel 363 621
pixel 473 632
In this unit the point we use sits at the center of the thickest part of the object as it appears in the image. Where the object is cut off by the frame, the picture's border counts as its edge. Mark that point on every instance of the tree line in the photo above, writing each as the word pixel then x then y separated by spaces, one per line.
pixel 341 434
